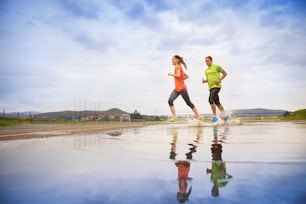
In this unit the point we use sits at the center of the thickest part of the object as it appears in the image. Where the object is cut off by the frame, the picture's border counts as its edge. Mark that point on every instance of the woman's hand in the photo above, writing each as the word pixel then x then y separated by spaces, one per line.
pixel 170 74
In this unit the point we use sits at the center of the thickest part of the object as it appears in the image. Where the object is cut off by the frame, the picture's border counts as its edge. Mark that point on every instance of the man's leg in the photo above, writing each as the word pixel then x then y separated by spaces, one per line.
pixel 221 108
pixel 213 109
pixel 223 114
pixel 211 101
pixel 217 100
pixel 213 104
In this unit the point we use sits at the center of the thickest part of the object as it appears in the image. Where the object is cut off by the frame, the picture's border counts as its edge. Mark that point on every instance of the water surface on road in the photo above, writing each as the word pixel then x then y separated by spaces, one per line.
pixel 249 163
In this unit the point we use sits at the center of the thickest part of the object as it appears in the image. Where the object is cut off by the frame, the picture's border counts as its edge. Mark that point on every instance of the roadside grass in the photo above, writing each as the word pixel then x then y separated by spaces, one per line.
pixel 296 115
pixel 13 121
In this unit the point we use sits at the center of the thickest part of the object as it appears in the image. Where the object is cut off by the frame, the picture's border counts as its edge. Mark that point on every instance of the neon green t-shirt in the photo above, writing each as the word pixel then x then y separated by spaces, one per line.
pixel 213 74
pixel 218 173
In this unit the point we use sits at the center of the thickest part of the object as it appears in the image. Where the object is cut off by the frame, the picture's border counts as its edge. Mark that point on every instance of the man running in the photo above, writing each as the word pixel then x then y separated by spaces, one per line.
pixel 214 80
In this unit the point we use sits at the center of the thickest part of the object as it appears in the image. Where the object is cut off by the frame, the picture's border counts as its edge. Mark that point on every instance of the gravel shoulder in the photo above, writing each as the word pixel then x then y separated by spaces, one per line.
pixel 27 131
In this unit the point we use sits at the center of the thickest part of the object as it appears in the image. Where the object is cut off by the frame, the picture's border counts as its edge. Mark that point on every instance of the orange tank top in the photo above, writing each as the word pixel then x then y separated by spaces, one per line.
pixel 183 168
pixel 179 81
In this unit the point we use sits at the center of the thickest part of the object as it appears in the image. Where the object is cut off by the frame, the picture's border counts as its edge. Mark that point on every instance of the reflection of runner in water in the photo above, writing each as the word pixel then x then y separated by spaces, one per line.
pixel 183 168
pixel 219 176
pixel 180 87
pixel 173 146
pixel 193 146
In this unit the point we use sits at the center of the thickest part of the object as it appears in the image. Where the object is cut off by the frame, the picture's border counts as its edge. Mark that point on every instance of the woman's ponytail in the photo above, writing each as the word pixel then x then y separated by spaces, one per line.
pixel 181 60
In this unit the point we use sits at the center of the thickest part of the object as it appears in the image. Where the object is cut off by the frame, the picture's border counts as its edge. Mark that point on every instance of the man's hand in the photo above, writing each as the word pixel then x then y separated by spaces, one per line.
pixel 218 82
pixel 204 81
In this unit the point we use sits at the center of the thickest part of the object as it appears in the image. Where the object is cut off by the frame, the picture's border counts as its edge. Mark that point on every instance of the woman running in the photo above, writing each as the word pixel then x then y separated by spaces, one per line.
pixel 213 79
pixel 180 87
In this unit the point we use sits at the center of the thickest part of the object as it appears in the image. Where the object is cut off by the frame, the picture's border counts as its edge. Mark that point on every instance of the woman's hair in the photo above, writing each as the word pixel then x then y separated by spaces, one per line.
pixel 181 60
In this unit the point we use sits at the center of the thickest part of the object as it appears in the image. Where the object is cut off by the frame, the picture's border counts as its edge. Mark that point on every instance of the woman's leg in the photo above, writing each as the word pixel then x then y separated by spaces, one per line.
pixel 186 98
pixel 172 98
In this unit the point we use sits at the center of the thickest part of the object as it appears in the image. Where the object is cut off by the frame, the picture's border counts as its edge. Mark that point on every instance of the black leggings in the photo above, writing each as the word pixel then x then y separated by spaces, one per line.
pixel 214 97
pixel 185 96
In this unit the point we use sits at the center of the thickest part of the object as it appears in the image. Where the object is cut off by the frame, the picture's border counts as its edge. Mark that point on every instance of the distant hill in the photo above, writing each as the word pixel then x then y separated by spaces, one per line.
pixel 78 114
pixel 115 111
pixel 258 112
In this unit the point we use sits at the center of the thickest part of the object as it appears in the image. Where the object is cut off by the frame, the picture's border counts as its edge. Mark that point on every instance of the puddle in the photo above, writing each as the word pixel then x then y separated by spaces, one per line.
pixel 258 163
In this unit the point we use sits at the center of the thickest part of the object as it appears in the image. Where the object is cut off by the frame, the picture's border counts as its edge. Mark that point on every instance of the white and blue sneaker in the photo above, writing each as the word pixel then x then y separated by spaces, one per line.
pixel 225 116
pixel 214 119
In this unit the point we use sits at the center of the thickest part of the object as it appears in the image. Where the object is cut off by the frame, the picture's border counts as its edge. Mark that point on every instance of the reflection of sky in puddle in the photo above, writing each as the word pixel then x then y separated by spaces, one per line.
pixel 267 163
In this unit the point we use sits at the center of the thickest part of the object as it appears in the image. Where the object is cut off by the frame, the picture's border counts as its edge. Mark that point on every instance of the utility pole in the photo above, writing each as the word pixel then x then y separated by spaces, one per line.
pixel 80 118
pixel 85 109
pixel 30 117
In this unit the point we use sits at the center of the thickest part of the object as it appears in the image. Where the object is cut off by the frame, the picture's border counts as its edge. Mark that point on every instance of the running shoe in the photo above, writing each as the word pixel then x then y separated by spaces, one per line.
pixel 224 115
pixel 173 120
pixel 214 119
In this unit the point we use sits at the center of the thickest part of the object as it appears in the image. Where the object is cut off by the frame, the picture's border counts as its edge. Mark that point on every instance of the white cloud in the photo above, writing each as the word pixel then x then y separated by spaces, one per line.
pixel 54 54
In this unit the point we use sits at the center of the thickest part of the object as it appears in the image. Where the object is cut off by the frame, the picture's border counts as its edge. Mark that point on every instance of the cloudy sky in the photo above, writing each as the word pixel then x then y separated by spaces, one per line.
pixel 57 54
